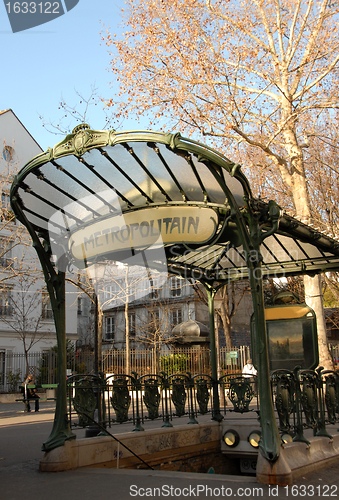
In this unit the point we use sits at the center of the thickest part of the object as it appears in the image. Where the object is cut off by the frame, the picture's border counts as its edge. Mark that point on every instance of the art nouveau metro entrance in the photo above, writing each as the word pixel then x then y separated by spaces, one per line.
pixel 161 201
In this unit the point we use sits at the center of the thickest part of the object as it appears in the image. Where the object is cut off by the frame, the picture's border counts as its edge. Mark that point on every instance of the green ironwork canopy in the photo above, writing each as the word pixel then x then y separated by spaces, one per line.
pixel 110 195
pixel 160 200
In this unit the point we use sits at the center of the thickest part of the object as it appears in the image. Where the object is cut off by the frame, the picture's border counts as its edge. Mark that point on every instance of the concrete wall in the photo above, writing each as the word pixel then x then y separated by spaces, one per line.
pixel 189 448
pixel 193 448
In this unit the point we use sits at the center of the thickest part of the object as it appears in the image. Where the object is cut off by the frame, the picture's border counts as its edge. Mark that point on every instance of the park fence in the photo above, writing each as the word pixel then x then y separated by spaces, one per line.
pixel 14 367
pixel 334 350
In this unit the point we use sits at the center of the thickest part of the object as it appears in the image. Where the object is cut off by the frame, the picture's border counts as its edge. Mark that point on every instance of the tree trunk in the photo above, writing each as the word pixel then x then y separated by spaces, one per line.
pixel 226 324
pixel 313 298
pixel 298 185
pixel 27 364
pixel 226 315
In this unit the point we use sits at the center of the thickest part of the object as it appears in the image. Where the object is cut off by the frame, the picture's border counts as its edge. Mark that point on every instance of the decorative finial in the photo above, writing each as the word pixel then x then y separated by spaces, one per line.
pixel 82 126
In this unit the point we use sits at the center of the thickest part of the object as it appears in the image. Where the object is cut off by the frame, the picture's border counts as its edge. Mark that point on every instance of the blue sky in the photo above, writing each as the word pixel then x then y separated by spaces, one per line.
pixel 56 59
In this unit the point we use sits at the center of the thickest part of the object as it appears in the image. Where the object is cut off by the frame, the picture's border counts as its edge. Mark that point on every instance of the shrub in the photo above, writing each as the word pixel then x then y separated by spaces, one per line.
pixel 174 363
pixel 13 379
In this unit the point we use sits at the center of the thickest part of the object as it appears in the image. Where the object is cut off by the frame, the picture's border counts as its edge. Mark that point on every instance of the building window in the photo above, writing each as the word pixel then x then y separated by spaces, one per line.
pixel 6 211
pixel 109 292
pixel 5 202
pixel 109 327
pixel 176 287
pixel 153 320
pixel 114 291
pixel 5 302
pixel 8 153
pixel 131 324
pixel 155 293
pixel 47 312
pixel 176 317
pixel 80 306
pixel 5 253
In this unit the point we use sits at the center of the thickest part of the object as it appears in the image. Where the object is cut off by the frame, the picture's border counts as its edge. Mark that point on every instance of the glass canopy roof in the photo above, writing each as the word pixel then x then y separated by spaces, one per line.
pixel 105 195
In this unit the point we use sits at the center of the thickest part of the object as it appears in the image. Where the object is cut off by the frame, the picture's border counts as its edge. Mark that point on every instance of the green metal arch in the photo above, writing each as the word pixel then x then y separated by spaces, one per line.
pixel 248 226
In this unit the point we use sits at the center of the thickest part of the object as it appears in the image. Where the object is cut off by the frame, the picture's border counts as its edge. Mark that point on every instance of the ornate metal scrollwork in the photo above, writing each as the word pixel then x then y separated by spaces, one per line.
pixel 331 397
pixel 284 400
pixel 84 402
pixel 241 394
pixel 309 399
pixel 121 399
pixel 152 398
pixel 203 395
pixel 178 396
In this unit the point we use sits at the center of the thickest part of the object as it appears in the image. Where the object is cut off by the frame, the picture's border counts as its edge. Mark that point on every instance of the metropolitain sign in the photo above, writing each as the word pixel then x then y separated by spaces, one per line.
pixel 141 229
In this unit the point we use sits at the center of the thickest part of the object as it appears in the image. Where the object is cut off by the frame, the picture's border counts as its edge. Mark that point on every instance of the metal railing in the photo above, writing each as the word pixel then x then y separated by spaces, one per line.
pixel 43 365
pixel 122 399
pixel 134 399
pixel 304 399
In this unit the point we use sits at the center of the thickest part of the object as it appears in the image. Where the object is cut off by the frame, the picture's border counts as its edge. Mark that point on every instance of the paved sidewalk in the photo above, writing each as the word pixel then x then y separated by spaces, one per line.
pixel 26 483
pixel 21 435
pixel 13 413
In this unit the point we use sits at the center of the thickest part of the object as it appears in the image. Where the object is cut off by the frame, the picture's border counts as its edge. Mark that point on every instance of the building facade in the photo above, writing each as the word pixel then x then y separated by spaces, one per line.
pixel 26 319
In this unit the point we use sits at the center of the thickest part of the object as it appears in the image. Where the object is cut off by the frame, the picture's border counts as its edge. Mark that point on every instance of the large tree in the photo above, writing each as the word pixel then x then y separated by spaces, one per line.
pixel 253 77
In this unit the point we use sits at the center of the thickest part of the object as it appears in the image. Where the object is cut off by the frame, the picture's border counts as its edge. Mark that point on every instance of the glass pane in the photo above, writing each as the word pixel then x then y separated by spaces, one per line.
pixel 63 181
pixel 235 259
pixel 56 197
pixel 157 169
pixel 276 251
pixel 36 220
pixel 291 343
pixel 130 165
pixel 215 192
pixel 184 173
pixel 37 206
pixel 311 250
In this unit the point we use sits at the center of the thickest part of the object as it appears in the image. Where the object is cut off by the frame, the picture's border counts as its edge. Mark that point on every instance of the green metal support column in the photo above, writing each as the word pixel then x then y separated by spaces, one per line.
pixel 252 238
pixel 251 235
pixel 216 415
pixel 270 442
pixel 55 282
pixel 61 429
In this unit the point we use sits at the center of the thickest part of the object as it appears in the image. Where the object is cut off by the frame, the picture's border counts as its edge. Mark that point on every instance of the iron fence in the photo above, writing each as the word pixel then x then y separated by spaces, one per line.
pixel 14 367
pixel 182 387
pixel 123 399
pixel 304 399
pixel 334 350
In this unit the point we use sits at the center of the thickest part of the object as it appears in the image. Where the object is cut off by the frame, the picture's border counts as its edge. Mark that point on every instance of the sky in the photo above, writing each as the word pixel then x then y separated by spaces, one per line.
pixel 54 61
